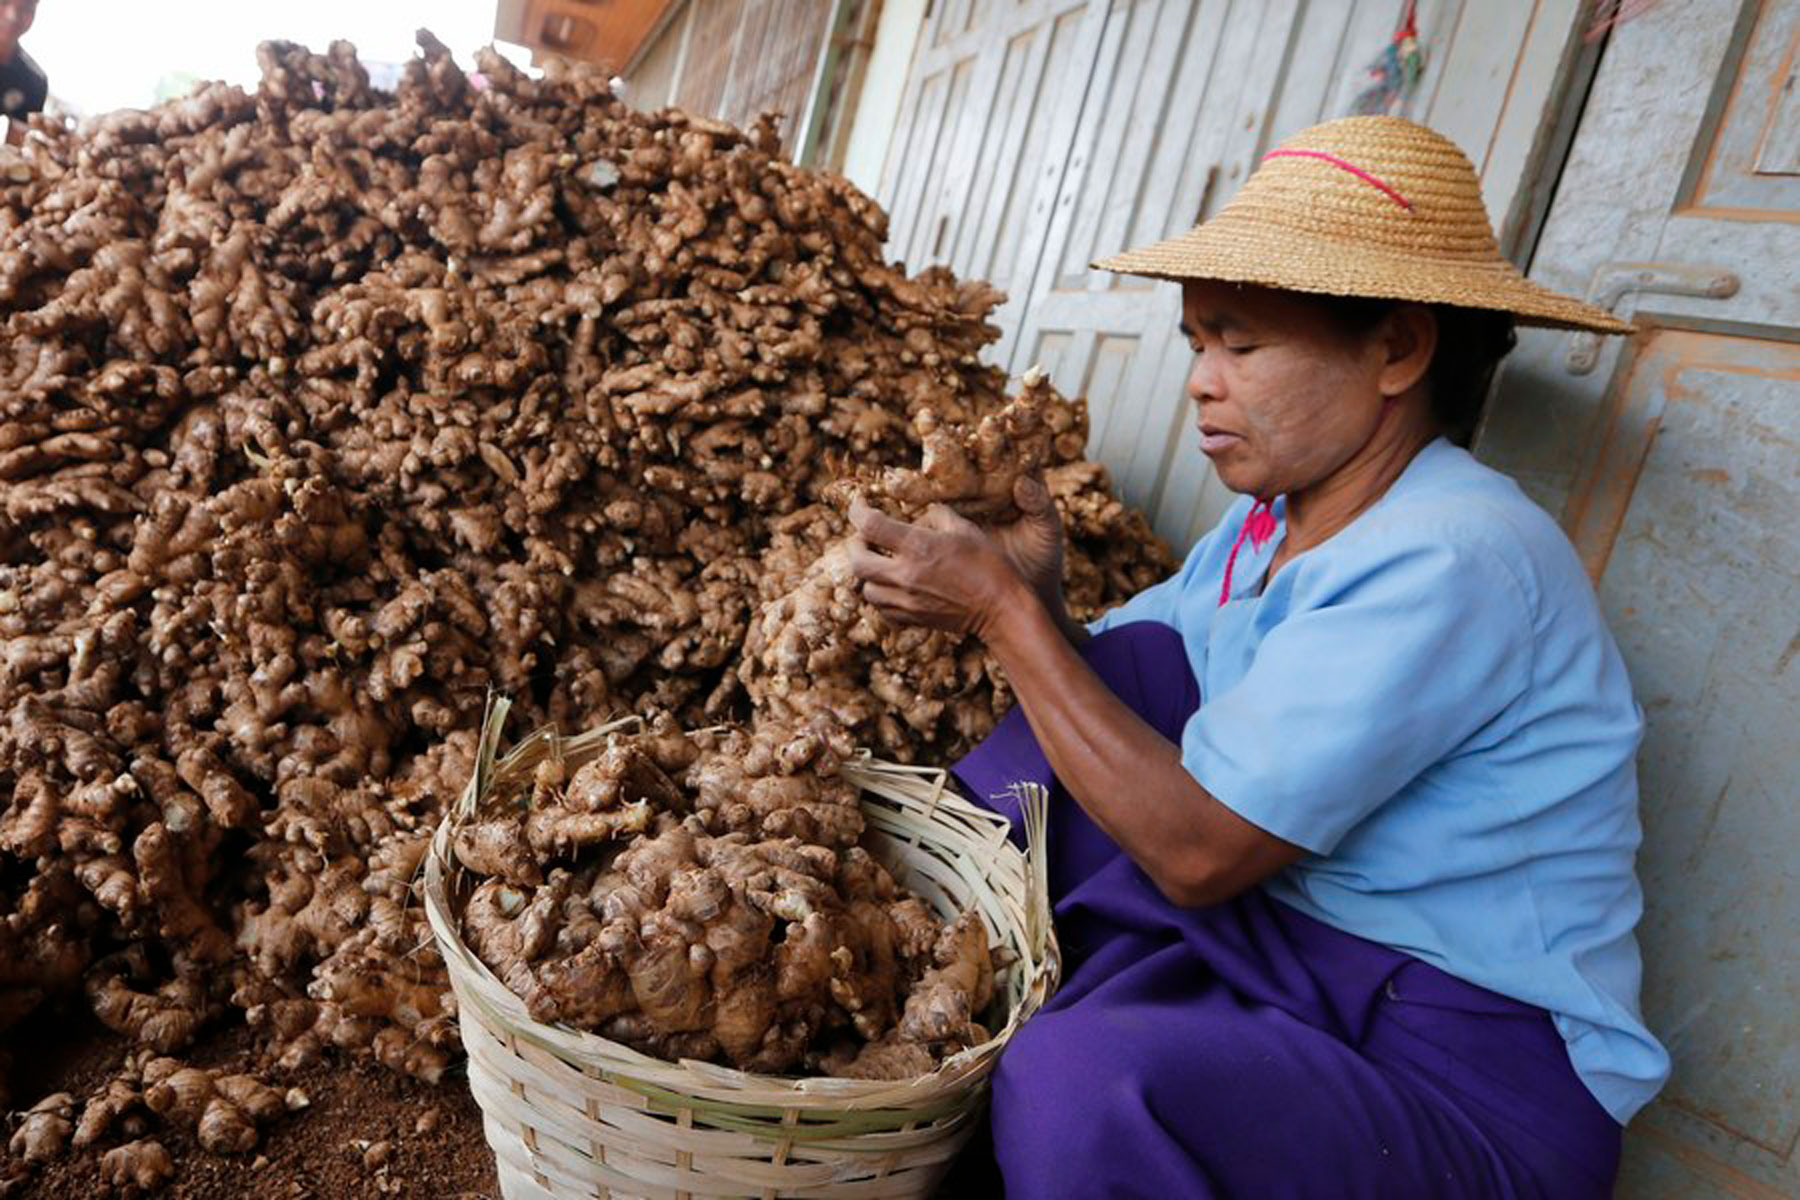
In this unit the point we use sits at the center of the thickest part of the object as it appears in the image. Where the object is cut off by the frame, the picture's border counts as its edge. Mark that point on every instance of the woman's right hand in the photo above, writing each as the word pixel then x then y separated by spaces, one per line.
pixel 1033 544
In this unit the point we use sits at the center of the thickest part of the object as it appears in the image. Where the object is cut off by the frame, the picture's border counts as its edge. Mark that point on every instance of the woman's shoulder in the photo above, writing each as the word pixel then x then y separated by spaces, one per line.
pixel 1446 490
pixel 1448 503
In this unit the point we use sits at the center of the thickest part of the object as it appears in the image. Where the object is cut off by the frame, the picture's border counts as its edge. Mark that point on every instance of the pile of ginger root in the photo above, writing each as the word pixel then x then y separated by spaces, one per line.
pixel 703 895
pixel 327 411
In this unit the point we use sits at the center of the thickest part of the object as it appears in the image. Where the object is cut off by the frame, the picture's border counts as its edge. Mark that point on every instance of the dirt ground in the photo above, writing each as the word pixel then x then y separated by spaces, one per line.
pixel 368 1132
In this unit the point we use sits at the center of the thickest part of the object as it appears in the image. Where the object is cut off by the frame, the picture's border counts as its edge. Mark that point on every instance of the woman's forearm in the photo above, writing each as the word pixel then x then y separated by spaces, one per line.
pixel 1073 631
pixel 946 573
pixel 1124 774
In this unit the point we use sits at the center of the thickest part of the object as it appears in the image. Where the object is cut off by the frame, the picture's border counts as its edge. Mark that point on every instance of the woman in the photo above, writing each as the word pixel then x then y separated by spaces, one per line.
pixel 1345 814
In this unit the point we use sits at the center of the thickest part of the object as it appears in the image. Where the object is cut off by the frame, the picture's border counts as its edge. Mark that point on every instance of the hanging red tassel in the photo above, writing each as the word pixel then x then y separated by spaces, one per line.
pixel 1396 72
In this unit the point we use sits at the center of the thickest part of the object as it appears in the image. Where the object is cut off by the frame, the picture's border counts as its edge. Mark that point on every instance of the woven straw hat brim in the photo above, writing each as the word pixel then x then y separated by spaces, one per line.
pixel 1237 252
pixel 1364 206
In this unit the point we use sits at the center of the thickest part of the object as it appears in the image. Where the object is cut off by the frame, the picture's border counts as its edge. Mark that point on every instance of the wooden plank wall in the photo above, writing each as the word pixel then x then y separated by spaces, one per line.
pixel 981 143
pixel 777 55
pixel 651 83
pixel 712 43
pixel 735 61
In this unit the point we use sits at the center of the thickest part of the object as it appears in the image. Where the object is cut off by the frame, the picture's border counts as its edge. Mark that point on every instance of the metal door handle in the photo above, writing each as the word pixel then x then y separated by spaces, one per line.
pixel 1616 280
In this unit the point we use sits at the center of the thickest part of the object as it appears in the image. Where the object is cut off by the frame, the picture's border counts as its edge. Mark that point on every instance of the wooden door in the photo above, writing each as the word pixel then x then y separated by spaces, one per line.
pixel 1674 459
pixel 980 148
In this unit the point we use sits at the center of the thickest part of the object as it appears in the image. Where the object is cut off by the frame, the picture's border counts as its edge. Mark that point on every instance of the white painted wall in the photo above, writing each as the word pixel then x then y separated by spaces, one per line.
pixel 884 85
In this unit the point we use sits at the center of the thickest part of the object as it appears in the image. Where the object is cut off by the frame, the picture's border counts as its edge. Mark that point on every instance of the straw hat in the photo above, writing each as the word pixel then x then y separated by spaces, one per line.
pixel 1364 206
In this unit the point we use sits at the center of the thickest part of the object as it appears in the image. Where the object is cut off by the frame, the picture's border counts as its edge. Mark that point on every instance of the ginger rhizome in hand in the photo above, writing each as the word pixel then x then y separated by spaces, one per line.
pixel 722 909
pixel 975 469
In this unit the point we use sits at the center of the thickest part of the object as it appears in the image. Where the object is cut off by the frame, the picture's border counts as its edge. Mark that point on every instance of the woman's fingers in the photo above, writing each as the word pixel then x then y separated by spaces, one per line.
pixel 891 602
pixel 1034 500
pixel 877 528
pixel 941 518
pixel 937 572
pixel 870 566
pixel 1032 497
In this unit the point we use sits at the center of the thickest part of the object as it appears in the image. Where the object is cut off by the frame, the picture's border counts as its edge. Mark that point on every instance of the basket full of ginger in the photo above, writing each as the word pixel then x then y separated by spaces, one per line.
pixel 728 962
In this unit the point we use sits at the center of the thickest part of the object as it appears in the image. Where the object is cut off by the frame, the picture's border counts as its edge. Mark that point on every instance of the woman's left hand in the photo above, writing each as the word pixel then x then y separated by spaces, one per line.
pixel 941 571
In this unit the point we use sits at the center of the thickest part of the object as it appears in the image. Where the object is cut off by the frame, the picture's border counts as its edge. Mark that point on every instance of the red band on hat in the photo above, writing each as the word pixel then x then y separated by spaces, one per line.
pixel 1335 161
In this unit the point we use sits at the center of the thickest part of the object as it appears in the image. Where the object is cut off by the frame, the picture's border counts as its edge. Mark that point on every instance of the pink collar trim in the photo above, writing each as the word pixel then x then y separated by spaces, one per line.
pixel 1259 527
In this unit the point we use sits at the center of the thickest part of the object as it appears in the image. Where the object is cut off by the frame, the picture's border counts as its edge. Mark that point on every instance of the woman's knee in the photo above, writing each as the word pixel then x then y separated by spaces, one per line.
pixel 1061 1113
pixel 1042 1087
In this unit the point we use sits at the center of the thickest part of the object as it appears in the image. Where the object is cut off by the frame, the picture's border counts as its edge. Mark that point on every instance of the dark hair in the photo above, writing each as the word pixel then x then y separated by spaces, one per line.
pixel 1471 342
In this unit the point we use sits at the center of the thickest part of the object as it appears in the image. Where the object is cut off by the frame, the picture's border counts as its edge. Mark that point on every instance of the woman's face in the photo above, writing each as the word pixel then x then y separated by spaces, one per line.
pixel 1285 396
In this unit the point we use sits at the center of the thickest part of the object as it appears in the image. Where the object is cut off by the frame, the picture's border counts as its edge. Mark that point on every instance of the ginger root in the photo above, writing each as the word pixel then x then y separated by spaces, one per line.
pixel 45 1129
pixel 329 410
pixel 958 986
pixel 115 1105
pixel 974 471
pixel 817 652
pixel 741 923
pixel 142 1164
pixel 222 1109
pixel 163 1020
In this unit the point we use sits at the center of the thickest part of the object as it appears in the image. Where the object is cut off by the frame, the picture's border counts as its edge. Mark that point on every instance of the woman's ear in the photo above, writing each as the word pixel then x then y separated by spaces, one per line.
pixel 1408 340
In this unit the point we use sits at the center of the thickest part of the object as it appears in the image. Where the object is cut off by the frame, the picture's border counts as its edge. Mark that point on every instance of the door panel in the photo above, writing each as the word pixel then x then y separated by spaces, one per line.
pixel 1751 168
pixel 1676 467
pixel 1697 577
pixel 1698 583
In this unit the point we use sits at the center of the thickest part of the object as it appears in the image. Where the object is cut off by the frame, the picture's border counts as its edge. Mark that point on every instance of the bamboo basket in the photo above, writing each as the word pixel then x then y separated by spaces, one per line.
pixel 572 1114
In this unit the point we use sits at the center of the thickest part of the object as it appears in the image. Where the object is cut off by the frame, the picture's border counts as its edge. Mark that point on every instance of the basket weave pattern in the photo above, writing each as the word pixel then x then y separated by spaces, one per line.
pixel 572 1114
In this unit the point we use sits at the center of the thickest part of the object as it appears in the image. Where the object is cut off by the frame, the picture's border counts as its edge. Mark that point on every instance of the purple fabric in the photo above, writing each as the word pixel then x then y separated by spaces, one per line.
pixel 1246 1050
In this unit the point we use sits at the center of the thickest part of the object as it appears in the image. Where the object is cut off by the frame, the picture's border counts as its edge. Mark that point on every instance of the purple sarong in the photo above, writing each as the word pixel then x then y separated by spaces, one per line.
pixel 1248 1051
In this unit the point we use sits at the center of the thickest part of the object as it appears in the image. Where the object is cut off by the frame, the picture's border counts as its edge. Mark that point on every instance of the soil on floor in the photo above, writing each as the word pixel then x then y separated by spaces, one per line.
pixel 368 1132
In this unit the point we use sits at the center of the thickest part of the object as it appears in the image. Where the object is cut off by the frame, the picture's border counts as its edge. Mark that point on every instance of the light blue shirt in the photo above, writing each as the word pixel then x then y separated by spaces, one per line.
pixel 1431 705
